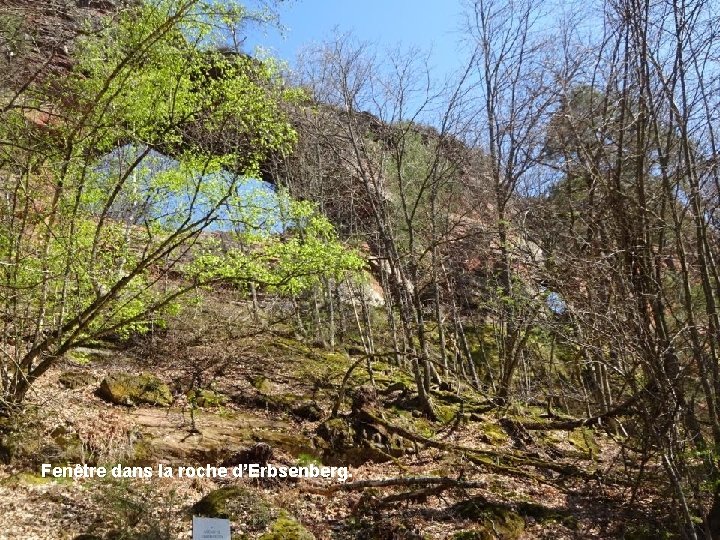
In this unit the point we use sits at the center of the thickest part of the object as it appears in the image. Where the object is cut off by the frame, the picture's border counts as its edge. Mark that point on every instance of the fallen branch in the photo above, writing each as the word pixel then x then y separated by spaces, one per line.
pixel 569 425
pixel 476 455
pixel 386 482
pixel 419 496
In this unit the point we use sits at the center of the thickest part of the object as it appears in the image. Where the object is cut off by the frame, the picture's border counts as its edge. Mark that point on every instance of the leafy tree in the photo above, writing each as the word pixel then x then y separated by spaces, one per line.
pixel 85 242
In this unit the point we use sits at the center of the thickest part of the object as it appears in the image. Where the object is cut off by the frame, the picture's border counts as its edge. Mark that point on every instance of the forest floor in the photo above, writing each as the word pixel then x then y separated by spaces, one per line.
pixel 502 481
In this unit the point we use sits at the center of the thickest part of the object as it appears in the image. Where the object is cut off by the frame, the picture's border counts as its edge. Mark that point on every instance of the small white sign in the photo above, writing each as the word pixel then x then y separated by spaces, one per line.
pixel 210 529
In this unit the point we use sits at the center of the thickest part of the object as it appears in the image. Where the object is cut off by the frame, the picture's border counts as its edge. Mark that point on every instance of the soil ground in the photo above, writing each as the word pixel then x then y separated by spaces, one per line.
pixel 267 384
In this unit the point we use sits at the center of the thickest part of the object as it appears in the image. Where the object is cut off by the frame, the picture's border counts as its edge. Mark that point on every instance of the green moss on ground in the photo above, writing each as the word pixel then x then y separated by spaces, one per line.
pixel 26 478
pixel 206 398
pixel 287 528
pixel 79 357
pixel 495 434
pixel 584 440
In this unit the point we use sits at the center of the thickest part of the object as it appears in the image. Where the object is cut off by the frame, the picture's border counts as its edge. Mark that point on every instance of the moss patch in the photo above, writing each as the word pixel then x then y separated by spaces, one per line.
pixel 206 398
pixel 286 528
pixel 494 433
pixel 79 357
pixel 31 479
pixel 584 440
pixel 261 384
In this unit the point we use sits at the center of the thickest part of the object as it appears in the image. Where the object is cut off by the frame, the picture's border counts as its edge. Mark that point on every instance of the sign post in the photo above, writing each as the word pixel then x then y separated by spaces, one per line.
pixel 210 528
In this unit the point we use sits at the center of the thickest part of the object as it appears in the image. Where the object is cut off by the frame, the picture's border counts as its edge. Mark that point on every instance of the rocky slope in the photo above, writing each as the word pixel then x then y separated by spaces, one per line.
pixel 222 394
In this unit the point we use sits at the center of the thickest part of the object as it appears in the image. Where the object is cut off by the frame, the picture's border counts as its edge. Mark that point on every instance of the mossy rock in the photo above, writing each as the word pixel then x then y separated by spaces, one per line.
pixel 496 522
pixel 206 398
pixel 238 504
pixel 68 443
pixel 337 439
pixel 367 453
pixel 76 379
pixel 144 451
pixel 282 402
pixel 286 528
pixel 445 413
pixel 129 389
pixel 295 404
pixel 22 437
pixel 86 355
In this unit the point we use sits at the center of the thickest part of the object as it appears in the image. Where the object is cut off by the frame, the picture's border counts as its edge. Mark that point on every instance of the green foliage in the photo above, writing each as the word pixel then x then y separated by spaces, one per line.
pixel 90 241
pixel 421 187
pixel 304 460
pixel 149 74
pixel 308 252
pixel 11 33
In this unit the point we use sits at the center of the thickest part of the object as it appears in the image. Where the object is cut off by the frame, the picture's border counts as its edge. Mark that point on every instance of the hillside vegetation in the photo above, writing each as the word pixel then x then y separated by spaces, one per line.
pixel 494 297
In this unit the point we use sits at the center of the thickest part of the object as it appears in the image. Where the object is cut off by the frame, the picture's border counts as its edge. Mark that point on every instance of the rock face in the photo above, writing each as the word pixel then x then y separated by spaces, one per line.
pixel 36 38
pixel 308 410
pixel 368 289
pixel 129 389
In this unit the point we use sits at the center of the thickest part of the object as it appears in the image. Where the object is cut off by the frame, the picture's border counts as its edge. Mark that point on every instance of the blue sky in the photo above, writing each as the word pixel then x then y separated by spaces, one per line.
pixel 429 24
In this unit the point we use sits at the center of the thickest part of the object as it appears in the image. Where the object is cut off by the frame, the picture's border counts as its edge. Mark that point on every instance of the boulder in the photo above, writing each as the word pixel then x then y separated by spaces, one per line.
pixel 238 504
pixel 129 389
